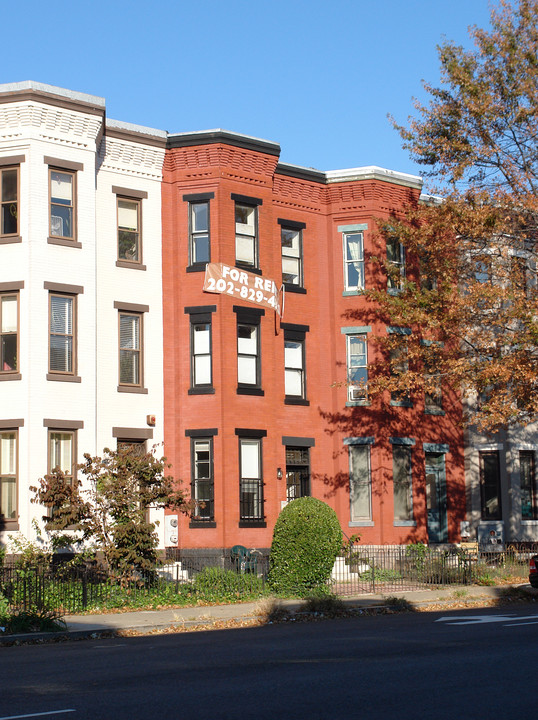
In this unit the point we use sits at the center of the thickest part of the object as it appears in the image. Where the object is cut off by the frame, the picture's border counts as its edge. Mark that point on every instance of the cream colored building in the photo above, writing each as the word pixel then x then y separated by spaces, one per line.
pixel 80 288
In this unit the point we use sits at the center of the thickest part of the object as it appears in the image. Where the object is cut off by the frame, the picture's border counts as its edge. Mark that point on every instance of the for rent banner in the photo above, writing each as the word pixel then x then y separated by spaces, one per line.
pixel 240 284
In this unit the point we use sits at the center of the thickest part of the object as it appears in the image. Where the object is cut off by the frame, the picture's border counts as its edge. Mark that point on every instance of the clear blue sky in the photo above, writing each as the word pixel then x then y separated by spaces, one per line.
pixel 317 77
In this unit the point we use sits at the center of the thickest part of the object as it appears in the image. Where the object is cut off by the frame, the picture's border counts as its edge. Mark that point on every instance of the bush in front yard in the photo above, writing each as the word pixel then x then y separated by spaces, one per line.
pixel 306 541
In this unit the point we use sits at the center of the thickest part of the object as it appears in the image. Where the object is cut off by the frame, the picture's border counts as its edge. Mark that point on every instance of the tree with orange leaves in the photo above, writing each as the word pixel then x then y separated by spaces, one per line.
pixel 471 300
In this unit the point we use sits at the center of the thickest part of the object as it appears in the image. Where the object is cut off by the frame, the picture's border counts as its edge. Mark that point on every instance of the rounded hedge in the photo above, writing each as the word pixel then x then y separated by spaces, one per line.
pixel 306 540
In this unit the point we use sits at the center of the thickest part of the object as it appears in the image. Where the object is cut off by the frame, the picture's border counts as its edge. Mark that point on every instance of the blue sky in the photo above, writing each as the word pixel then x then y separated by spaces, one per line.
pixel 317 77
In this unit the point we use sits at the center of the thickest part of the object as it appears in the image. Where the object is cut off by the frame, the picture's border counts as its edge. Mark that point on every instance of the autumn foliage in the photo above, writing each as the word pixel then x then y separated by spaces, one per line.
pixel 470 295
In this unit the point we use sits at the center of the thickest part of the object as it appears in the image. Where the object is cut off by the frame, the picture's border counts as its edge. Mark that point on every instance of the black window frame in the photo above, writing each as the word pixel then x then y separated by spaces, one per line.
pixel 250 317
pixel 253 204
pixel 200 315
pixel 250 435
pixel 297 227
pixel 199 436
pixel 296 333
pixel 192 200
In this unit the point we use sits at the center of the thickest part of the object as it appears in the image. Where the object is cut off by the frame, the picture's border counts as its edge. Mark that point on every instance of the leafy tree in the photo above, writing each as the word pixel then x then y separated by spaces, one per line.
pixel 112 513
pixel 471 297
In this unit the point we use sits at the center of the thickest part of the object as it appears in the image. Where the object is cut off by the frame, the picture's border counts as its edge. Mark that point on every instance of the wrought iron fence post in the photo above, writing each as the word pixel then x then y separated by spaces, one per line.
pixel 84 589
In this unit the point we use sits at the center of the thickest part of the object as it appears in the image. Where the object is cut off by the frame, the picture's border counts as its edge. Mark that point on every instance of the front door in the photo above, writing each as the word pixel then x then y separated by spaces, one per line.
pixel 436 498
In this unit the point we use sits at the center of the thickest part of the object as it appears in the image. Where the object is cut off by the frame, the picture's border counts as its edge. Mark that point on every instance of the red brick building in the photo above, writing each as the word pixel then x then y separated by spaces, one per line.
pixel 257 409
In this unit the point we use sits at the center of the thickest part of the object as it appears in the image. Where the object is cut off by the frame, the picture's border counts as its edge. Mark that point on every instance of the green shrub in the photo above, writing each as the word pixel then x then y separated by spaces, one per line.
pixel 306 540
pixel 216 584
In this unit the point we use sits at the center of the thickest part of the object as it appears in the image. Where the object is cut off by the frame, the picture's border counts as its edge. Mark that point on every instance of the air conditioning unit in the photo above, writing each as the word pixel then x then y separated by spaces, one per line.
pixel 355 393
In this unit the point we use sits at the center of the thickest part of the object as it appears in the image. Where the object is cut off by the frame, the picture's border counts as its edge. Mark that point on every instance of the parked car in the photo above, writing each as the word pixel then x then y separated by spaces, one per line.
pixel 533 571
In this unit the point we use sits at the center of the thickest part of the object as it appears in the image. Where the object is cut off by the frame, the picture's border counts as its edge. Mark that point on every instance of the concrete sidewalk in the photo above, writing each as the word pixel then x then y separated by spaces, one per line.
pixel 79 626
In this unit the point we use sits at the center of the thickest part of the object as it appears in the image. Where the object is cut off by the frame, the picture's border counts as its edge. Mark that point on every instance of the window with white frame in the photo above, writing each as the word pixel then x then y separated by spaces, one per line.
pixel 357 366
pixel 9 332
pixel 130 348
pixel 401 476
pixel 353 261
pixel 8 475
pixel 9 201
pixel 129 230
pixel 62 453
pixel 62 336
pixel 62 185
pixel 360 482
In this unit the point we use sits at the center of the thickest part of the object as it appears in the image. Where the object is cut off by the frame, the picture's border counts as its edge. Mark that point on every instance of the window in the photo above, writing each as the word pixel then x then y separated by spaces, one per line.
pixel 136 448
pixel 62 204
pixel 490 486
pixel 201 354
pixel 527 480
pixel 202 484
pixel 199 232
pixel 8 476
pixel 246 235
pixel 396 261
pixel 251 482
pixel 292 253
pixel 354 261
pixel 360 483
pixel 294 363
pixel 357 367
pixel 433 399
pixel 401 475
pixel 9 204
pixel 246 251
pixel 130 357
pixel 399 365
pixel 62 334
pixel 9 326
pixel 62 453
pixel 200 348
pixel 129 224
pixel 297 472
pixel 294 368
pixel 248 350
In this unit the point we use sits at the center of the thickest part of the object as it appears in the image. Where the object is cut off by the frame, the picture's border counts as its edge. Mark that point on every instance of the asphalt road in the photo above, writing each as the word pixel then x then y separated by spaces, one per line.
pixel 469 664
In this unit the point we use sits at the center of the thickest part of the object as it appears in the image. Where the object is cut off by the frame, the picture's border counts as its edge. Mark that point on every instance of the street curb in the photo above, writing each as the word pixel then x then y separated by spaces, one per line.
pixel 354 606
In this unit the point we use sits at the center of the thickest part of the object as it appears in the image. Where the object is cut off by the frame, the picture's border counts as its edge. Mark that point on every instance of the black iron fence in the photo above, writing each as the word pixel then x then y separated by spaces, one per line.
pixel 241 574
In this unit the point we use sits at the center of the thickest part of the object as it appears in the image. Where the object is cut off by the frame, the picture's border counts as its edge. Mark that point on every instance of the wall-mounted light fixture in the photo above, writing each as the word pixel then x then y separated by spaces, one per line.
pixel 279 473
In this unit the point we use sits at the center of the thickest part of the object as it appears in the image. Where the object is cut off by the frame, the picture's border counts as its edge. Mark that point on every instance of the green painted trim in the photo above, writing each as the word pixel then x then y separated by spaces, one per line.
pixel 402 441
pixel 359 441
pixel 352 228
pixel 357 329
pixel 436 447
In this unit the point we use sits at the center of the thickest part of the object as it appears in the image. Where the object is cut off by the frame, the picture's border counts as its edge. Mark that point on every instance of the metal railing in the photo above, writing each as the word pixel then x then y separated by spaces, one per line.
pixel 228 576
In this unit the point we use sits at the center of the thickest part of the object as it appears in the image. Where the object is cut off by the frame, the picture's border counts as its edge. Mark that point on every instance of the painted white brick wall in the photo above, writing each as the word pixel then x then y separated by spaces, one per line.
pixel 37 129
